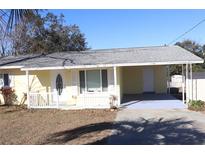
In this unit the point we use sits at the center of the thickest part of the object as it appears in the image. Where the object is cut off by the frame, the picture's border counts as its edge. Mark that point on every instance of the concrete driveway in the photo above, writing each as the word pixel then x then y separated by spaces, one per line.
pixel 151 101
pixel 158 127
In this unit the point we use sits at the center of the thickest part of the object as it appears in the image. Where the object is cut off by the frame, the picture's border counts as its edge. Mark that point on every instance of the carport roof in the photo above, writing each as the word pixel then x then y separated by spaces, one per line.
pixel 161 55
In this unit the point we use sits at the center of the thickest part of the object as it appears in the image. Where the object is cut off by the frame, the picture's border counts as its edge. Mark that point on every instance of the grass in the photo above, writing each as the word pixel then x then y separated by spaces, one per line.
pixel 23 126
pixel 196 105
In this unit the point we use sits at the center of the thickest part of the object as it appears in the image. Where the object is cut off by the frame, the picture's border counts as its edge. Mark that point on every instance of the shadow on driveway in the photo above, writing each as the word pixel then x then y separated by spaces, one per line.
pixel 141 132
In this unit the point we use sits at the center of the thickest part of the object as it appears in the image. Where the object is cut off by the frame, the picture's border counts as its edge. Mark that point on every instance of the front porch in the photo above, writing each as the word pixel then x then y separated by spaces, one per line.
pixel 52 100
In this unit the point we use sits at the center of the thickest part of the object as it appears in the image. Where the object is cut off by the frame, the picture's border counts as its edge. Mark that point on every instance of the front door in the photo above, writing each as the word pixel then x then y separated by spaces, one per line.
pixel 59 87
pixel 148 79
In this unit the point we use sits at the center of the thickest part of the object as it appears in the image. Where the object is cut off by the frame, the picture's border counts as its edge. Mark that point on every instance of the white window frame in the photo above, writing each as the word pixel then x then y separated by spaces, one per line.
pixel 95 92
pixel 2 79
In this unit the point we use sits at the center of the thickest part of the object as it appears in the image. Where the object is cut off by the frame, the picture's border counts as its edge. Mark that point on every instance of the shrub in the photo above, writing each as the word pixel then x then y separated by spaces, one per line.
pixel 9 95
pixel 197 105
pixel 113 99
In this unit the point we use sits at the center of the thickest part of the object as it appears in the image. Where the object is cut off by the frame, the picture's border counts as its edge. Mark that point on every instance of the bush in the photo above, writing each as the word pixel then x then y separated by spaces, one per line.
pixel 197 105
pixel 9 95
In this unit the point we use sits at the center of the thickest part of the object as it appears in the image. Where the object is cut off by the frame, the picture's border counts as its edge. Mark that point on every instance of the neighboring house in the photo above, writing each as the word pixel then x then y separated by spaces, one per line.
pixel 176 81
pixel 92 79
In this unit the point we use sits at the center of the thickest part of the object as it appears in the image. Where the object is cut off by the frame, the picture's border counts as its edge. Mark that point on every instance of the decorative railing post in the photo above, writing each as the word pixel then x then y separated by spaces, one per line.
pixel 28 94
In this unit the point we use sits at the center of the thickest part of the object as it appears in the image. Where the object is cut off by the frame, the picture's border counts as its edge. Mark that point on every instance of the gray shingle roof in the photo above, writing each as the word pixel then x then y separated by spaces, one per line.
pixel 119 56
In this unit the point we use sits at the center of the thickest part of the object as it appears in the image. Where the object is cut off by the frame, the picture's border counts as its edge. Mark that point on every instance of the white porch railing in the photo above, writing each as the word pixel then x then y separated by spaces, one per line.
pixel 93 101
pixel 52 100
pixel 42 100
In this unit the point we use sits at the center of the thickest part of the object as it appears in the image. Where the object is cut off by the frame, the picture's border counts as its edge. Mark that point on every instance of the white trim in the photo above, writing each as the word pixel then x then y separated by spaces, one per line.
pixel 113 65
pixel 183 84
pixel 187 84
pixel 191 78
pixel 28 89
pixel 43 68
pixel 10 67
pixel 115 86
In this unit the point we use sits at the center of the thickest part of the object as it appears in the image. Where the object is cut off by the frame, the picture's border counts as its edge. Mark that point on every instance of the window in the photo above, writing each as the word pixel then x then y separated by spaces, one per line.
pixel 93 81
pixel 4 80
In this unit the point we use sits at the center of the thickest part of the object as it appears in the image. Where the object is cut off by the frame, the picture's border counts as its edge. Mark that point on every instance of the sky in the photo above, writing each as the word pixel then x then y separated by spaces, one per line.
pixel 135 28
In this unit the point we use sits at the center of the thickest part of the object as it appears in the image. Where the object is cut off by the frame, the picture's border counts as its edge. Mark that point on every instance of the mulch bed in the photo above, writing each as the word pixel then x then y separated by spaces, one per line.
pixel 49 126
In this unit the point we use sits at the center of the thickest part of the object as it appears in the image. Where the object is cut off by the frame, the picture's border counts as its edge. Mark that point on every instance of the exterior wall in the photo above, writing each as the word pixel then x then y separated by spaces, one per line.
pixel 160 79
pixel 96 97
pixel 132 79
pixel 43 82
pixel 39 82
pixel 129 81
pixel 18 82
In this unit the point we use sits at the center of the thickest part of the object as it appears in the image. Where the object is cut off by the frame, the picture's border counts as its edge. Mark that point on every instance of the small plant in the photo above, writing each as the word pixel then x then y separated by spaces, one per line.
pixel 113 98
pixel 196 105
pixel 9 95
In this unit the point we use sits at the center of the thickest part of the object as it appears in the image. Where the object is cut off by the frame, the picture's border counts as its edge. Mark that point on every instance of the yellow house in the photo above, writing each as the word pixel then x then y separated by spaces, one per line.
pixel 92 79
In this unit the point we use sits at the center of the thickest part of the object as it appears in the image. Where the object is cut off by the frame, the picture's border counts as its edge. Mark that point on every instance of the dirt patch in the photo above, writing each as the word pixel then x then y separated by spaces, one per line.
pixel 43 126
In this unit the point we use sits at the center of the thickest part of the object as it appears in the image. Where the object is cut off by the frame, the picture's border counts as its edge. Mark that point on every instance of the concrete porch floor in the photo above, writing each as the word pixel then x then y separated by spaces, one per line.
pixel 151 101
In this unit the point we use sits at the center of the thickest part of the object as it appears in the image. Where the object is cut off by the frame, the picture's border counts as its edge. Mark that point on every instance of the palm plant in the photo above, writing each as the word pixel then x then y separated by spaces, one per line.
pixel 11 17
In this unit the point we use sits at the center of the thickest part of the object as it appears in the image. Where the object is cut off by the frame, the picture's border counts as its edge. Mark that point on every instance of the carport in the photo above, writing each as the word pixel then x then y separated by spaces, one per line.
pixel 145 84
pixel 151 101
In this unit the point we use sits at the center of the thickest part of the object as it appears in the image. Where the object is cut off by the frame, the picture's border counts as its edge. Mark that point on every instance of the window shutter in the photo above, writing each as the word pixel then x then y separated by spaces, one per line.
pixel 82 81
pixel 6 80
pixel 104 80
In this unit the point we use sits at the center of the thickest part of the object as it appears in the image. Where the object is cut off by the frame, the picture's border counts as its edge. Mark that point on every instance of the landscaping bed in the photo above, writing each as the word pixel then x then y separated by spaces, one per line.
pixel 49 126
pixel 196 105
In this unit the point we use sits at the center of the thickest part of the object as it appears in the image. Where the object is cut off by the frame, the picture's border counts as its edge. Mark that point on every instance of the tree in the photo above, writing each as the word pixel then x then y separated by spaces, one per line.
pixel 196 49
pixel 47 34
pixel 9 18
pixel 192 46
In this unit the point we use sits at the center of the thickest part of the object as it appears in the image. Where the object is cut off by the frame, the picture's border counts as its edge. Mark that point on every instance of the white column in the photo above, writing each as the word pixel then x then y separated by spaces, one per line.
pixel 191 83
pixel 183 83
pixel 187 84
pixel 115 84
pixel 168 82
pixel 57 100
pixel 28 89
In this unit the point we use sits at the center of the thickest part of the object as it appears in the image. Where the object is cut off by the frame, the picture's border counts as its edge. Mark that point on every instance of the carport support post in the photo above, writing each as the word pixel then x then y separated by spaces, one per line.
pixel 168 77
pixel 183 83
pixel 191 84
pixel 28 97
pixel 115 83
pixel 187 85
